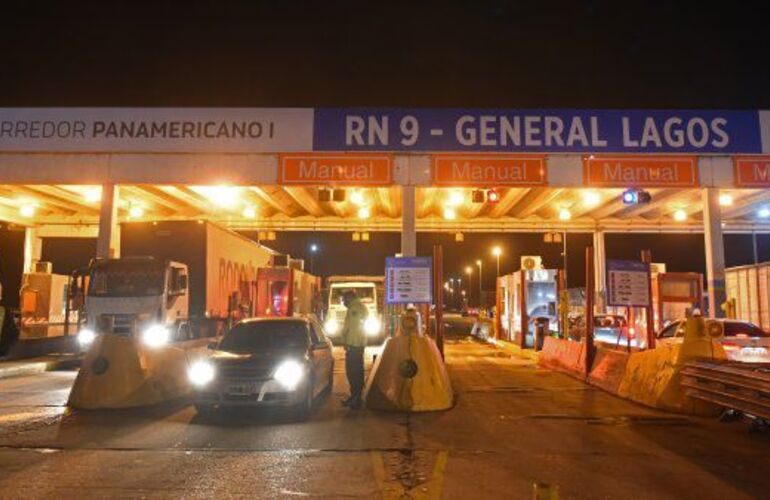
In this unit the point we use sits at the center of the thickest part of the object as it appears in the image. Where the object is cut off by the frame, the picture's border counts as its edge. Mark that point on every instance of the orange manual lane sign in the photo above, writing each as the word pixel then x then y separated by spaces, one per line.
pixel 487 170
pixel 752 171
pixel 336 169
pixel 640 171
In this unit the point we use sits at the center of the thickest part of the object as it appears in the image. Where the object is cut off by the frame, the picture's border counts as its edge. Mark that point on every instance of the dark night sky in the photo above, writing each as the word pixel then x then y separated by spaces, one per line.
pixel 304 53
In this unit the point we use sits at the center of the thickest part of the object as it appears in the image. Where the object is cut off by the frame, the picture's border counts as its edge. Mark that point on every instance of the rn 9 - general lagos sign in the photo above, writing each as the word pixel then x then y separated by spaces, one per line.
pixel 256 130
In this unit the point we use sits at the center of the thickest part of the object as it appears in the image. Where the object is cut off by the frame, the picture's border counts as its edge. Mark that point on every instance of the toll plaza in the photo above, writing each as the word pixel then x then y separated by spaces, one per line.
pixel 106 183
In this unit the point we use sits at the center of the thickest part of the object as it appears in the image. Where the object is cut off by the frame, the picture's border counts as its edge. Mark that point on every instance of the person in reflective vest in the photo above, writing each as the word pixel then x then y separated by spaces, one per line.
pixel 354 339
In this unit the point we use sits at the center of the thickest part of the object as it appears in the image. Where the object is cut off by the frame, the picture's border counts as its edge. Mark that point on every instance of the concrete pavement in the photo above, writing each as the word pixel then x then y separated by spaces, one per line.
pixel 515 428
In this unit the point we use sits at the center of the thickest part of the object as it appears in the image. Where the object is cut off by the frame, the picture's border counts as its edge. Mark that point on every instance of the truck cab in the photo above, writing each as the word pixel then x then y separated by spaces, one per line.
pixel 369 294
pixel 137 297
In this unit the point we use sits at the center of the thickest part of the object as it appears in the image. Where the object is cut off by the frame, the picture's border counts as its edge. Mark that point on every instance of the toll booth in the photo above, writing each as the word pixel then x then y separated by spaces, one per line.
pixel 674 295
pixel 43 303
pixel 287 291
pixel 524 297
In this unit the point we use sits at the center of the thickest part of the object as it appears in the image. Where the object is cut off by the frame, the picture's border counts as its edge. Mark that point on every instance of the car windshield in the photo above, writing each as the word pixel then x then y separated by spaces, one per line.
pixel 255 336
pixel 364 293
pixel 735 328
pixel 126 279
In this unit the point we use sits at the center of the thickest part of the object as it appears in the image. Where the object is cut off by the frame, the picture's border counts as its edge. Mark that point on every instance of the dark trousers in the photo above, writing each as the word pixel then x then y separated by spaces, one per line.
pixel 354 369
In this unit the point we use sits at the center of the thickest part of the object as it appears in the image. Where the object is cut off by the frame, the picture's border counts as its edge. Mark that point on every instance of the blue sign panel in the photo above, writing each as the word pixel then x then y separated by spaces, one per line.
pixel 628 283
pixel 408 280
pixel 537 130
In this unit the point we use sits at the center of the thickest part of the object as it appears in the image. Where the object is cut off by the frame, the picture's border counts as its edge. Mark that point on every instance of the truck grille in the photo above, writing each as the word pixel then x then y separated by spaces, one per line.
pixel 118 324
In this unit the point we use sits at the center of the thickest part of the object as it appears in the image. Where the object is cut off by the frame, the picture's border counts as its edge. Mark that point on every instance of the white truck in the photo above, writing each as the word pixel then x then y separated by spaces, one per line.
pixel 178 280
pixel 370 290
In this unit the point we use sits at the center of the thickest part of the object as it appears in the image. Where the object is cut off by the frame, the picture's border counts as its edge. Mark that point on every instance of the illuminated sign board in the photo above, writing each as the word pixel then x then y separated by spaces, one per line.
pixel 640 171
pixel 752 171
pixel 486 170
pixel 335 169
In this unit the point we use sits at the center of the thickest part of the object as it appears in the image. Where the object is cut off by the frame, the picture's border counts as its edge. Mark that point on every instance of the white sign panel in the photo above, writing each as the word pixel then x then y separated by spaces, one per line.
pixel 408 280
pixel 156 130
pixel 628 283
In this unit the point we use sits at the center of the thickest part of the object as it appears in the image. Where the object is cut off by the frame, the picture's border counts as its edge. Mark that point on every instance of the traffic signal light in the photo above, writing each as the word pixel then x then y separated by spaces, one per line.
pixel 635 196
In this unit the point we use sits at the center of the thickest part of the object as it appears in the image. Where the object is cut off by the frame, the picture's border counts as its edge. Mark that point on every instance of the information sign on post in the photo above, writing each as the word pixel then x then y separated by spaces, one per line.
pixel 408 280
pixel 628 283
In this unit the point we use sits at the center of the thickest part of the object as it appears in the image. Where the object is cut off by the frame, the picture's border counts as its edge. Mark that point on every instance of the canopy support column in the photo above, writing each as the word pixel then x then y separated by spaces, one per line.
pixel 408 222
pixel 33 248
pixel 108 240
pixel 600 265
pixel 715 251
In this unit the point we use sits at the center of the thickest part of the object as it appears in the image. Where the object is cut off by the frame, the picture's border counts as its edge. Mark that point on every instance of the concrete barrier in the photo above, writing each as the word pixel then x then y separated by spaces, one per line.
pixel 652 378
pixel 119 372
pixel 608 369
pixel 565 355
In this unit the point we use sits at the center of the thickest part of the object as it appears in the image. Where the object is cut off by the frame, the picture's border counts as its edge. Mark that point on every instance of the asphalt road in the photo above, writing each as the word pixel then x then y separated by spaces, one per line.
pixel 516 429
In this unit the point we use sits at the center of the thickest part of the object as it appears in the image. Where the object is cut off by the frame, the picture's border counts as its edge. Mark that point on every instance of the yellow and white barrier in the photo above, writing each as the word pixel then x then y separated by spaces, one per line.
pixel 410 374
pixel 120 372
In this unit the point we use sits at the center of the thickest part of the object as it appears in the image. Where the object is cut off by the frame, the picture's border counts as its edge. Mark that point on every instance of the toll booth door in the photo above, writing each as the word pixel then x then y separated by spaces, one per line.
pixel 273 298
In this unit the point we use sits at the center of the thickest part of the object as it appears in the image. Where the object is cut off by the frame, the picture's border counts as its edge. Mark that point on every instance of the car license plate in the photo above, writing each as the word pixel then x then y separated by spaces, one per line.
pixel 242 389
pixel 754 351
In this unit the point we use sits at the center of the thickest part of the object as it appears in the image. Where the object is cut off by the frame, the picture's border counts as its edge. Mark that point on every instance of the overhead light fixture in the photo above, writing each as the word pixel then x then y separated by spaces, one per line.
pixel 135 211
pixel 591 198
pixel 27 210
pixel 459 237
pixel 356 236
pixel 261 235
pixel 456 198
pixel 365 236
pixel 338 195
pixel 324 195
pixel 93 194
pixel 364 213
pixel 763 212
pixel 221 196
pixel 357 198
pixel 725 199
pixel 450 213
pixel 565 214
pixel 271 236
pixel 680 215
pixel 478 196
pixel 249 212
pixel 493 196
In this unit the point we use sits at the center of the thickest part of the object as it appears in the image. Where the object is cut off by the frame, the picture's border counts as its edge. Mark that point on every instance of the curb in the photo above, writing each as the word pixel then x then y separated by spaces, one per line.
pixel 36 366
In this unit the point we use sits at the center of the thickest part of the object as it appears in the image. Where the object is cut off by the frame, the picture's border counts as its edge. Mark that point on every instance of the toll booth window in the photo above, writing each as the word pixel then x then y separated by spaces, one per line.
pixel 256 336
pixel 126 280
pixel 279 298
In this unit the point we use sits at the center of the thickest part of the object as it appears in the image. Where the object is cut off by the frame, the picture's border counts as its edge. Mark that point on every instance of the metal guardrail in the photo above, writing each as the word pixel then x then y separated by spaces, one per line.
pixel 744 387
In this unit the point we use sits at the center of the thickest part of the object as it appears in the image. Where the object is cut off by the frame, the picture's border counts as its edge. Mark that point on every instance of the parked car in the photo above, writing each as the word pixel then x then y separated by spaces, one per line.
pixel 470 312
pixel 284 362
pixel 743 341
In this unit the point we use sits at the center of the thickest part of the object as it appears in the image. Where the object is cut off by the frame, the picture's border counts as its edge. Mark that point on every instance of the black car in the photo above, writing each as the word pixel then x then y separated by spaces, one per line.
pixel 265 362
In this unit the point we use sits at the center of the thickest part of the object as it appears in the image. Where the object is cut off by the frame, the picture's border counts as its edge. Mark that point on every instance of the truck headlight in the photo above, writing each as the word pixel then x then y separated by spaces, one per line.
pixel 201 373
pixel 372 326
pixel 156 335
pixel 289 374
pixel 86 337
pixel 331 326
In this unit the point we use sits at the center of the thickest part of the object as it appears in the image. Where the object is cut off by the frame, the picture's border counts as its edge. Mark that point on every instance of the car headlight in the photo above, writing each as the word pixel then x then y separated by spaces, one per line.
pixel 289 374
pixel 372 326
pixel 331 326
pixel 156 335
pixel 86 337
pixel 201 373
